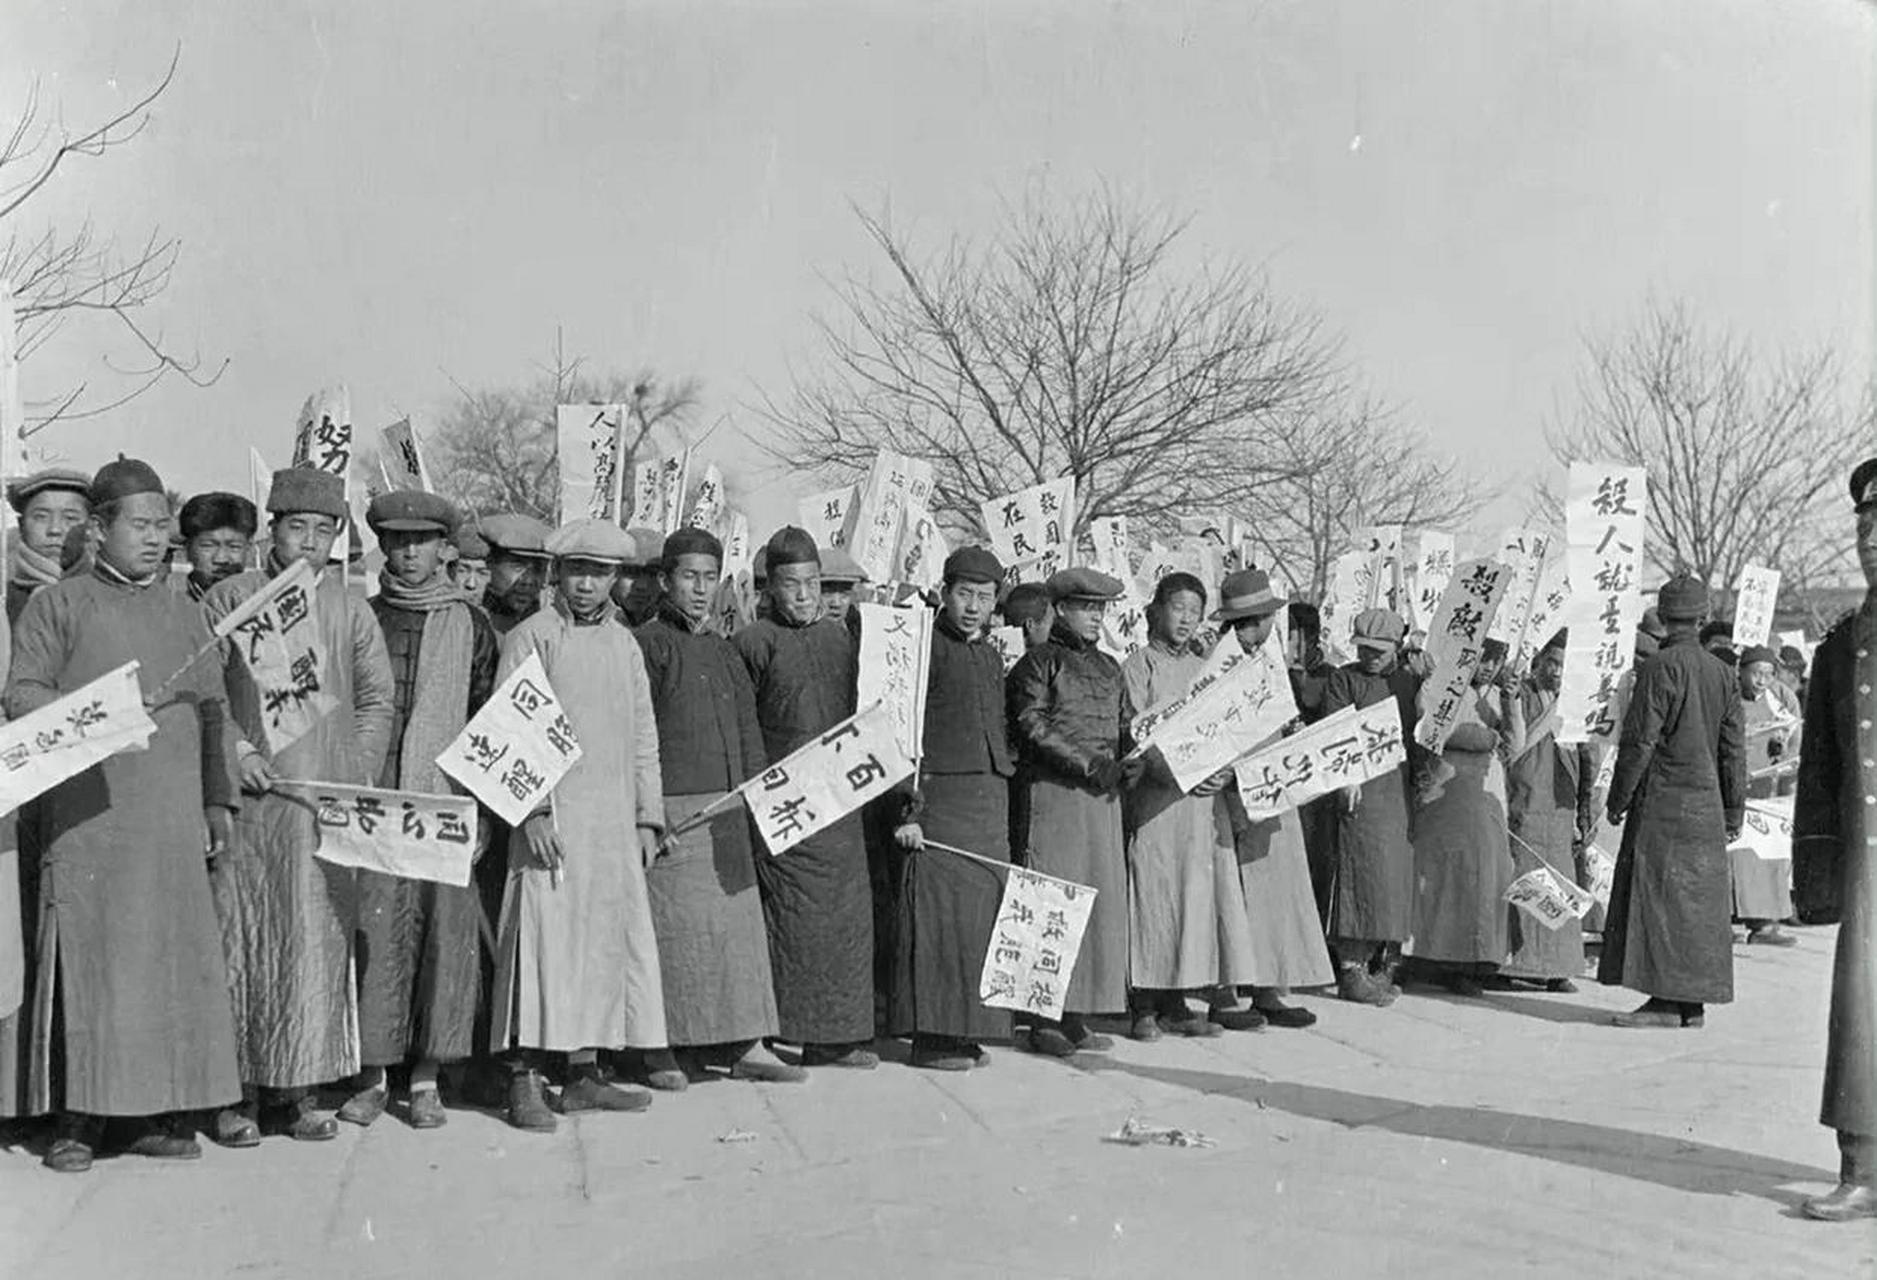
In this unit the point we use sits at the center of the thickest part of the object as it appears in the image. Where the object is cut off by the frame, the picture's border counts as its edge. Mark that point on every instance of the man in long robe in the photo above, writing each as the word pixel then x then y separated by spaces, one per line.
pixel 713 947
pixel 577 960
pixel 1680 782
pixel 947 904
pixel 1549 792
pixel 1769 722
pixel 1834 867
pixel 217 530
pixel 817 897
pixel 131 1014
pixel 1372 905
pixel 419 941
pixel 288 917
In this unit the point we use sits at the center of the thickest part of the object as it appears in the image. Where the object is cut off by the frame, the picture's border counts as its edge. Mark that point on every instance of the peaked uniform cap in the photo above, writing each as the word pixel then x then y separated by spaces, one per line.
pixel 838 567
pixel 412 511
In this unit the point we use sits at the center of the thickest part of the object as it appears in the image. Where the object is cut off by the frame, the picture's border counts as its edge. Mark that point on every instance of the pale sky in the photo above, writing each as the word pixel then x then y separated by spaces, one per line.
pixel 378 193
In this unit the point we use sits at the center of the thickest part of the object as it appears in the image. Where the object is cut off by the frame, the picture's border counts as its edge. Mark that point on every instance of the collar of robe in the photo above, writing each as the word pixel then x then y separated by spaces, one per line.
pixel 1060 634
pixel 608 612
pixel 108 572
pixel 676 617
pixel 956 632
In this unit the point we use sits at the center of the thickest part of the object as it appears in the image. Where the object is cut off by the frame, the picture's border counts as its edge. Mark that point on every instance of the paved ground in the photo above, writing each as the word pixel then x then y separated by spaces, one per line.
pixel 1516 1135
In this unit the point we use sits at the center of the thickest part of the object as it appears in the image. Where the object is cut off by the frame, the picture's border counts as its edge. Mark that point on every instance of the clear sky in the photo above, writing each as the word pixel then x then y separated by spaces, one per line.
pixel 383 192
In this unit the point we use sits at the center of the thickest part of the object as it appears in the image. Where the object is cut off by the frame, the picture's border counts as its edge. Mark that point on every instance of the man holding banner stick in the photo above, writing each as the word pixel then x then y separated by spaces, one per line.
pixel 713 948
pixel 1069 717
pixel 1763 887
pixel 418 940
pixel 287 917
pixel 817 897
pixel 947 905
pixel 577 963
pixel 1680 783
pixel 129 1015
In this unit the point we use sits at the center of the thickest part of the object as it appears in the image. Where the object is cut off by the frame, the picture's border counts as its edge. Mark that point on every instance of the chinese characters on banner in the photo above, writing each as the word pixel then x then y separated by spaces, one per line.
pixel 1605 509
pixel 1108 547
pixel 1342 600
pixel 400 833
pixel 824 515
pixel 400 459
pixel 708 506
pixel 658 486
pixel 1549 597
pixel 516 750
pixel 920 560
pixel 1753 606
pixel 1033 947
pixel 587 444
pixel 1008 641
pixel 62 739
pixel 896 667
pixel 322 439
pixel 826 780
pixel 1767 829
pixel 1524 550
pixel 735 538
pixel 1455 644
pixel 1433 569
pixel 275 634
pixel 1343 749
pixel 896 486
pixel 1227 712
pixel 1033 524
pixel 1381 544
pixel 1547 898
pixel 1600 872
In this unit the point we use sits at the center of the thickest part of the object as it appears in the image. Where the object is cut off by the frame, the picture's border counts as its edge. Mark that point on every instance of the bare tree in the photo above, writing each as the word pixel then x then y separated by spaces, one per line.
pixel 1071 342
pixel 1349 466
pixel 62 275
pixel 495 447
pixel 1743 451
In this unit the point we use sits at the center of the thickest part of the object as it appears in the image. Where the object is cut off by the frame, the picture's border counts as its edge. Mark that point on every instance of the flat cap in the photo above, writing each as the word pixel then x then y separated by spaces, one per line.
pixel 470 544
pixel 124 478
pixel 307 490
pixel 790 545
pixel 1246 593
pixel 1758 653
pixel 412 511
pixel 207 512
pixel 973 564
pixel 1864 484
pixel 514 533
pixel 838 568
pixel 20 491
pixel 1683 598
pixel 1083 584
pixel 1379 628
pixel 1792 657
pixel 601 541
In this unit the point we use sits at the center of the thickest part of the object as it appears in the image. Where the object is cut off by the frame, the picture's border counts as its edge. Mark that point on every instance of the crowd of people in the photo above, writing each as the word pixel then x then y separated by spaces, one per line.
pixel 631 930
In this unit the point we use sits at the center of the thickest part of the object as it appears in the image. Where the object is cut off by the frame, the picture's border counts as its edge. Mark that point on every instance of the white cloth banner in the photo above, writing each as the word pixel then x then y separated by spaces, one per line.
pixel 588 442
pixel 1032 951
pixel 920 559
pixel 1600 870
pixel 1035 522
pixel 1523 551
pixel 515 751
pixel 1226 713
pixel 1456 643
pixel 895 485
pixel 1547 898
pixel 1343 598
pixel 64 738
pixel 824 515
pixel 707 506
pixel 260 479
pixel 322 439
pixel 674 474
pixel 1549 597
pixel 400 458
pixel 1381 543
pixel 736 542
pixel 896 667
pixel 1754 604
pixel 1433 569
pixel 1010 644
pixel 1605 513
pixel 278 641
pixel 399 833
pixel 1108 547
pixel 824 781
pixel 1343 749
pixel 1767 829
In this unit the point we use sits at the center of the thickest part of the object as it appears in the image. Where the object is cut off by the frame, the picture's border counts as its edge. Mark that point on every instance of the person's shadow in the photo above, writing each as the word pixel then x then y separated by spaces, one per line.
pixel 1668 1162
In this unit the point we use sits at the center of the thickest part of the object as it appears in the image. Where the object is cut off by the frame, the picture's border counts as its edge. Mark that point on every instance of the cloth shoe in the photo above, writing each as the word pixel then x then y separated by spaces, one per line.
pixel 1192 1025
pixel 1770 935
pixel 365 1106
pixel 1249 1018
pixel 1084 1040
pixel 1561 986
pixel 1145 1028
pixel 1287 1015
pixel 757 1063
pixel 73 1143
pixel 663 1073
pixel 939 1053
pixel 527 1108
pixel 297 1118
pixel 163 1139
pixel 1463 984
pixel 1659 1013
pixel 1048 1039
pixel 236 1127
pixel 427 1109
pixel 586 1091
pixel 856 1057
pixel 1849 1202
pixel 1360 987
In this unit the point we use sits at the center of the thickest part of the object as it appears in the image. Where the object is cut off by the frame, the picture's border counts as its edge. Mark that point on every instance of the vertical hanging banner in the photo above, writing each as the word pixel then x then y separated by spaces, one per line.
pixel 1605 513
pixel 1549 597
pixel 587 440
pixel 1754 605
pixel 707 506
pixel 647 506
pixel 1108 547
pixel 920 560
pixel 674 474
pixel 514 752
pixel 277 639
pixel 824 781
pixel 260 479
pixel 825 515
pixel 1342 601
pixel 896 668
pixel 1032 951
pixel 1455 644
pixel 1524 550
pixel 402 461
pixel 1037 523
pixel 322 439
pixel 12 407
pixel 736 542
pixel 1382 544
pixel 895 485
pixel 1433 570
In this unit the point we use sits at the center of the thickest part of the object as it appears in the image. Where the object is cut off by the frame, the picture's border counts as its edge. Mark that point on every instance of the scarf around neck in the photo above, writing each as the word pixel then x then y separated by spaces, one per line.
pixel 32 568
pixel 439 592
pixel 440 694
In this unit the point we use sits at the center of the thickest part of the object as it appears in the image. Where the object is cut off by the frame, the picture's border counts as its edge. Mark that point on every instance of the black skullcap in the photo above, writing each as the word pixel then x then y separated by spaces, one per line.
pixel 791 545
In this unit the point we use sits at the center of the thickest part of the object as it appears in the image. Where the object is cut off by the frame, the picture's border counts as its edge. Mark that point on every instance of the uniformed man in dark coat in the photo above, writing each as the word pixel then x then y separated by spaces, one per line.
pixel 1834 867
pixel 1680 780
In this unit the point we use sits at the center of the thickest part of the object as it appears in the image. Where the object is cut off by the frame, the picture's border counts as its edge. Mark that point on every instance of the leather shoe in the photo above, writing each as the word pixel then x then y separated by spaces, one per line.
pixel 299 1121
pixel 857 1057
pixel 68 1155
pixel 527 1109
pixel 1288 1015
pixel 767 1068
pixel 1145 1028
pixel 1561 986
pixel 1192 1025
pixel 1246 1019
pixel 590 1093
pixel 1657 1013
pixel 427 1109
pixel 1849 1202
pixel 159 1144
pixel 1051 1042
pixel 935 1054
pixel 236 1127
pixel 365 1106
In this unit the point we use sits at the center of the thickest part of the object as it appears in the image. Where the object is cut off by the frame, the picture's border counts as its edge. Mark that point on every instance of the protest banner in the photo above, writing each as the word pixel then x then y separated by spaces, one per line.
pixel 824 515
pixel 1456 644
pixel 647 505
pixel 920 559
pixel 1033 523
pixel 736 542
pixel 1433 569
pixel 1343 749
pixel 277 639
pixel 1124 623
pixel 260 479
pixel 1033 947
pixel 1108 547
pixel 322 439
pixel 523 731
pixel 1009 644
pixel 707 506
pixel 400 458
pixel 824 781
pixel 1524 551
pixel 674 474
pixel 1343 597
pixel 1754 604
pixel 1766 829
pixel 1222 716
pixel 65 737
pixel 398 833
pixel 896 668
pixel 1549 596
pixel 1547 898
pixel 1381 545
pixel 1600 871
pixel 1605 506
pixel 894 486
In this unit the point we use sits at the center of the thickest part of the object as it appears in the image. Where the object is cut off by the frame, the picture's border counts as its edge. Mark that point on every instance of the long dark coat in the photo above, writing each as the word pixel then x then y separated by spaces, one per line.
pixel 1834 856
pixel 1681 778
pixel 1373 896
